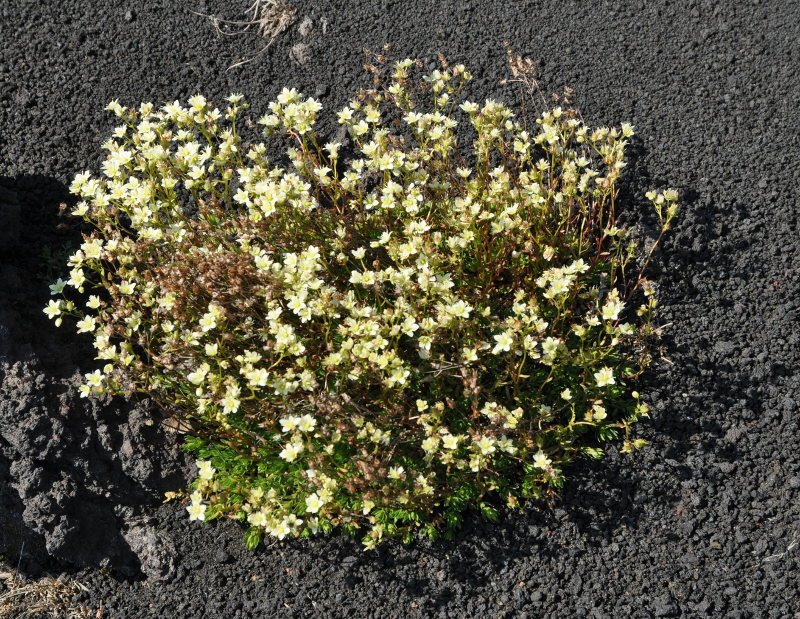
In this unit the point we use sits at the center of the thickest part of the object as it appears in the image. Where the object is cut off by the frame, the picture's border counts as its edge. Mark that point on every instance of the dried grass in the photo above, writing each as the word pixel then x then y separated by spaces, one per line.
pixel 44 597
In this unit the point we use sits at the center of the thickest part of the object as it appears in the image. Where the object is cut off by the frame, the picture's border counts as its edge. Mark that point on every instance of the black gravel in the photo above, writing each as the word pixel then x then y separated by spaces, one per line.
pixel 705 522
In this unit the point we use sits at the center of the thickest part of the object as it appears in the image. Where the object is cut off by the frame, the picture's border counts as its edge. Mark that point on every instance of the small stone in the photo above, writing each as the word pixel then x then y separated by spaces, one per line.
pixel 222 557
pixel 665 606
pixel 156 551
pixel 703 606
pixel 130 16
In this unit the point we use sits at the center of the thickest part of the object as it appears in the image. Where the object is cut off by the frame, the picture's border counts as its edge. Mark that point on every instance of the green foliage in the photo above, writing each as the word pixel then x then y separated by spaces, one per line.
pixel 376 342
pixel 53 260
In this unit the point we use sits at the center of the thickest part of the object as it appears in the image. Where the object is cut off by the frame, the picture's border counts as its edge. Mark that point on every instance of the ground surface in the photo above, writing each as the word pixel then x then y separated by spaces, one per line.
pixel 704 522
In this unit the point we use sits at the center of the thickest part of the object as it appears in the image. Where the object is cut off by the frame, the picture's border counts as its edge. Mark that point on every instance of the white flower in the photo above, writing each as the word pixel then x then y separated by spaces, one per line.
pixel 204 470
pixel 115 107
pixel 269 121
pixel 93 248
pixel 507 445
pixel 504 342
pixel 257 519
pixel 430 444
pixel 81 209
pixel 541 461
pixel 345 116
pixel 94 380
pixel 86 325
pixel 485 444
pixel 396 472
pixel 449 441
pixel 313 503
pixel 280 530
pixel 197 511
pixel 290 451
pixel 460 309
pixel 550 346
pixel 289 423
pixel 53 309
pixel 76 278
pixel 307 423
pixel 198 102
pixel 469 354
pixel 208 322
pixel 293 521
pixel 333 149
pixel 230 404
pixel 199 375
pixel 599 412
pixel 384 238
pixel 372 115
pixel 605 376
pixel 612 307
pixel 126 287
pixel 288 96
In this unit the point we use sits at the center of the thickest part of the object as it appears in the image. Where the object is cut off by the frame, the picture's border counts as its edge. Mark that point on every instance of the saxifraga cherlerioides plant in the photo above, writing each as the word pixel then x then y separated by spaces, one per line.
pixel 378 342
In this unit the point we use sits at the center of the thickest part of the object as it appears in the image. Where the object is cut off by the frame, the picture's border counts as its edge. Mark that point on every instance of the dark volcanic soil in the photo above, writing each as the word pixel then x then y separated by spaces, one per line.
pixel 704 522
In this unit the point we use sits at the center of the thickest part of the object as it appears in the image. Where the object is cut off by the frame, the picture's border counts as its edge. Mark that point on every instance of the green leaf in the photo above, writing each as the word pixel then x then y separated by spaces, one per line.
pixel 592 452
pixel 489 512
pixel 252 539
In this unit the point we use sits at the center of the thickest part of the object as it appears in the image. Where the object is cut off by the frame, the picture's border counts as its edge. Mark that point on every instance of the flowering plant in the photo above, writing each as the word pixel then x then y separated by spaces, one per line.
pixel 380 341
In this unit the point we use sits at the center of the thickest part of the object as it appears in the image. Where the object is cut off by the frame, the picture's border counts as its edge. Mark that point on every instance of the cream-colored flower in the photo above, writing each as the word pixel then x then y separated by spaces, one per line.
pixel 504 342
pixel 53 309
pixel 449 441
pixel 313 503
pixel 485 444
pixel 205 470
pixel 197 511
pixel 604 377
pixel 540 460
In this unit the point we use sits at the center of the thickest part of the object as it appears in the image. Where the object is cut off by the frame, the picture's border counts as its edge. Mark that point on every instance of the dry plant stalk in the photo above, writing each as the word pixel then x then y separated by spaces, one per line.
pixel 525 74
pixel 271 17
